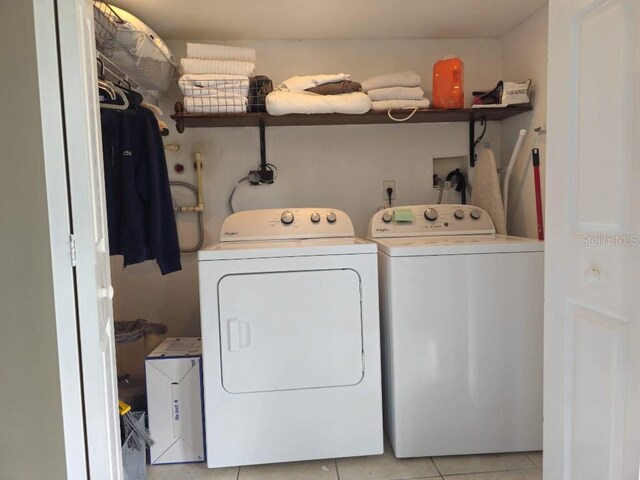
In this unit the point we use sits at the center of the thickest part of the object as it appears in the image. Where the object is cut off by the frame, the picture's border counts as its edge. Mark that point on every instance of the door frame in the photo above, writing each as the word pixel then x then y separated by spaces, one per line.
pixel 63 279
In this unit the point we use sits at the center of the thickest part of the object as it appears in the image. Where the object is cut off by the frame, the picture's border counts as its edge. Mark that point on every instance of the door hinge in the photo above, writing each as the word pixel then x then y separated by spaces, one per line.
pixel 72 249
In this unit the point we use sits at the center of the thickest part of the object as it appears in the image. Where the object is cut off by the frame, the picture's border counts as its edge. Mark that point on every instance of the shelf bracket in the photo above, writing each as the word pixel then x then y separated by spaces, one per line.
pixel 473 141
pixel 264 174
pixel 263 147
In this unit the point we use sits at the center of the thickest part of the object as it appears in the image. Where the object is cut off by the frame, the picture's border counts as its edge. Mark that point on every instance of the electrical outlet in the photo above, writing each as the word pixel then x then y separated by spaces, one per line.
pixel 386 184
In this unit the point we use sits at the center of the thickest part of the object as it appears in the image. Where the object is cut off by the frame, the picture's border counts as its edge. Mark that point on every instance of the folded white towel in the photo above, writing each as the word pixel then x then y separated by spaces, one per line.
pixel 233 67
pixel 384 105
pixel 399 79
pixel 283 103
pixel 396 93
pixel 300 84
pixel 213 84
pixel 220 52
pixel 232 104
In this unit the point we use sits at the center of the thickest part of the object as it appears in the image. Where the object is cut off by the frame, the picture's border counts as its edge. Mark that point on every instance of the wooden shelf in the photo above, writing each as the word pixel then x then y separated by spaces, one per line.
pixel 262 120
pixel 208 120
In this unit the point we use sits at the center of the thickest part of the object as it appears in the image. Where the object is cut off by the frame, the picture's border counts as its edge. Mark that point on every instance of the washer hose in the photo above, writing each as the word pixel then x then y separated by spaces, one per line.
pixel 200 220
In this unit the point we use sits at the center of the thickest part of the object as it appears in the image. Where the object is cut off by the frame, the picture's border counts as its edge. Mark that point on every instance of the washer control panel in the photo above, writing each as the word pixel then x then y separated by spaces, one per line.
pixel 286 224
pixel 430 220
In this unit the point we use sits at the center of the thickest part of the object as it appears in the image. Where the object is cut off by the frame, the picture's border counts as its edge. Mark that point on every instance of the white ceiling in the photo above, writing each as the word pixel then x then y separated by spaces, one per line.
pixel 330 19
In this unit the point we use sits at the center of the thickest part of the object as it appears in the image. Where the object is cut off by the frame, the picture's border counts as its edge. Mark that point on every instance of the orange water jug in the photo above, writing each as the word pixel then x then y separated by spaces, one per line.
pixel 448 83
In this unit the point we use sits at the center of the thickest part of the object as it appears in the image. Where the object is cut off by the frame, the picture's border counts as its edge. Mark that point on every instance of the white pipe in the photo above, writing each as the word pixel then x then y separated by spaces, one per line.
pixel 198 159
pixel 505 182
pixel 200 206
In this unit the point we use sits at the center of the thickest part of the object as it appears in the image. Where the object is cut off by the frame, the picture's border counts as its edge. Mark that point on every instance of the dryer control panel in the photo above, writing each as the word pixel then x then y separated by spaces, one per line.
pixel 430 220
pixel 286 224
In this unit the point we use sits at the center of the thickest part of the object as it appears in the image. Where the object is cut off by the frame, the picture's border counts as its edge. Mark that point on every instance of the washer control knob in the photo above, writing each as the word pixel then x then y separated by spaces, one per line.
pixel 475 214
pixel 315 217
pixel 387 217
pixel 286 217
pixel 459 214
pixel 331 217
pixel 431 214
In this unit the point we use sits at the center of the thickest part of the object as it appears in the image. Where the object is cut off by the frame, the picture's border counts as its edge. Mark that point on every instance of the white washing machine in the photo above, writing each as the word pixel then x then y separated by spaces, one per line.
pixel 462 327
pixel 291 341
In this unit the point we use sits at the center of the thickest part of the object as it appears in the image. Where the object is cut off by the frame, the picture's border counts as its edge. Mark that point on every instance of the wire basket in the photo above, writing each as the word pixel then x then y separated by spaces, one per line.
pixel 106 26
pixel 138 55
pixel 232 94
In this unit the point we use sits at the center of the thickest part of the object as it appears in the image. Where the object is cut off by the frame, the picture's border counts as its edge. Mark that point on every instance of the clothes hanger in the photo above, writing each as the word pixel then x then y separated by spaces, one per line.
pixel 113 106
pixel 105 86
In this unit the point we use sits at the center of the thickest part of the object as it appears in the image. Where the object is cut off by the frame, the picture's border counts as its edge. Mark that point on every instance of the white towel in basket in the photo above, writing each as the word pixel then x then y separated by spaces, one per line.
pixel 233 67
pixel 230 104
pixel 213 84
pixel 220 52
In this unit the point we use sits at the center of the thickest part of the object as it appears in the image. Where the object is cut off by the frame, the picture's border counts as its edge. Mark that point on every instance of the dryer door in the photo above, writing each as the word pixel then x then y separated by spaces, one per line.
pixel 290 330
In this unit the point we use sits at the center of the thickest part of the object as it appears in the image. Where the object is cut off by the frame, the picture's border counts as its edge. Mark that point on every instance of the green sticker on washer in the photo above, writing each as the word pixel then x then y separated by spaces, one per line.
pixel 403 215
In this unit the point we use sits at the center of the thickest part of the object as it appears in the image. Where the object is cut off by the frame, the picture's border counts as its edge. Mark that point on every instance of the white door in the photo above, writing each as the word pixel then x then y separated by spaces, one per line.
pixel 592 289
pixel 93 278
pixel 296 329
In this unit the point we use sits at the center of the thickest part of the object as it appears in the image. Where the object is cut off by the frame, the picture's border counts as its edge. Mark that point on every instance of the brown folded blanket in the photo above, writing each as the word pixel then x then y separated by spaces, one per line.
pixel 336 88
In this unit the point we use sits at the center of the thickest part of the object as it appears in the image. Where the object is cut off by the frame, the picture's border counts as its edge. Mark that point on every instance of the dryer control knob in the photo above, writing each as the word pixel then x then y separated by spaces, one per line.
pixel 475 214
pixel 331 217
pixel 315 217
pixel 431 214
pixel 387 217
pixel 286 217
pixel 459 214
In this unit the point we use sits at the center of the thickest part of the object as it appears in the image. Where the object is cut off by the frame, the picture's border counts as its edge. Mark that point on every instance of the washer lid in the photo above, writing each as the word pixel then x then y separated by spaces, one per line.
pixel 286 248
pixel 456 245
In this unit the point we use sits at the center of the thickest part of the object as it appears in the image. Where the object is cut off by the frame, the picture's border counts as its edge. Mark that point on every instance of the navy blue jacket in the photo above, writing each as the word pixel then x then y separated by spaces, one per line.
pixel 140 216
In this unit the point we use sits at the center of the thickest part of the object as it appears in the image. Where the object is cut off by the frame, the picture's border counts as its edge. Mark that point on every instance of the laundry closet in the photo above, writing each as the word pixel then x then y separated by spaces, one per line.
pixel 322 160
pixel 344 279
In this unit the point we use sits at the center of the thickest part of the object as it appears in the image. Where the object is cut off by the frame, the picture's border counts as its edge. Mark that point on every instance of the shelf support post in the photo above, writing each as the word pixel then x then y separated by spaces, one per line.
pixel 264 174
pixel 263 147
pixel 472 142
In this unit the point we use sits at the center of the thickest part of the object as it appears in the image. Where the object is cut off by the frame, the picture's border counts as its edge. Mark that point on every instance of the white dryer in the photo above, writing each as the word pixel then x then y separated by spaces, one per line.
pixel 291 343
pixel 462 327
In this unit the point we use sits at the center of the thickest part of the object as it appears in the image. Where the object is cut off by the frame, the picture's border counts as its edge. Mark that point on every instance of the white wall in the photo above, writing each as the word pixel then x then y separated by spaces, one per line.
pixel 31 438
pixel 336 166
pixel 524 55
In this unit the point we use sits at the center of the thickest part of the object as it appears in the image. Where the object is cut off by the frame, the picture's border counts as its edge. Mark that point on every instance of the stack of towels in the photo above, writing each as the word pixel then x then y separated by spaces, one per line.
pixel 216 78
pixel 324 93
pixel 395 90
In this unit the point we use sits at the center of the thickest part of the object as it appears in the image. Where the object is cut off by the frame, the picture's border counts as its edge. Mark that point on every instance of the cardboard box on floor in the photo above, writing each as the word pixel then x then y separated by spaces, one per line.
pixel 174 397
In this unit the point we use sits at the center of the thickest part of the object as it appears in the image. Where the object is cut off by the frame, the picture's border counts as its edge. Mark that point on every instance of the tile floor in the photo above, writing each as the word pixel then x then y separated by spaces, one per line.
pixel 506 466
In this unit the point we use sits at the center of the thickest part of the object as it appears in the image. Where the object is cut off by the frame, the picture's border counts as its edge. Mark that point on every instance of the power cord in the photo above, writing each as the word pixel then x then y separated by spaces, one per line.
pixel 233 192
pixel 389 194
pixel 255 177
